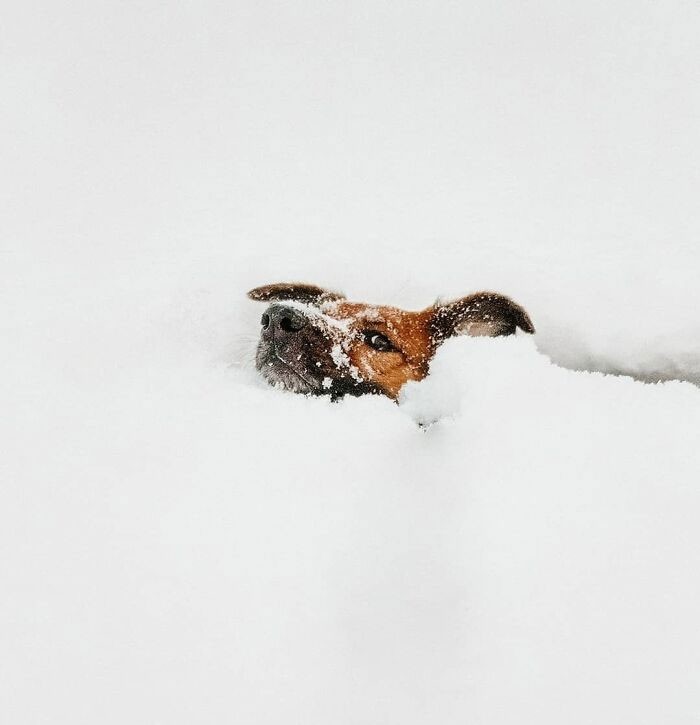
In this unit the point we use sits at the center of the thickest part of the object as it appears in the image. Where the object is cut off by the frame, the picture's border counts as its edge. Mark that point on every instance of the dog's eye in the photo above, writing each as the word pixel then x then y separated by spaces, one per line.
pixel 265 321
pixel 378 341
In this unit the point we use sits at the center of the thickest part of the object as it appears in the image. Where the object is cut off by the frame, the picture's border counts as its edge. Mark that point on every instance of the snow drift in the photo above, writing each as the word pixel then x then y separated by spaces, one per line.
pixel 181 543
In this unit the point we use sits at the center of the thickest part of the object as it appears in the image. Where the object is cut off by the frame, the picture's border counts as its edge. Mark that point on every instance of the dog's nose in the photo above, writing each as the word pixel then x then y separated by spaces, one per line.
pixel 284 319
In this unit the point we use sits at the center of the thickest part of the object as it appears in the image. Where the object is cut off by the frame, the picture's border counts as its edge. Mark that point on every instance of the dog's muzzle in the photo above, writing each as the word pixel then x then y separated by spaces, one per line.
pixel 288 346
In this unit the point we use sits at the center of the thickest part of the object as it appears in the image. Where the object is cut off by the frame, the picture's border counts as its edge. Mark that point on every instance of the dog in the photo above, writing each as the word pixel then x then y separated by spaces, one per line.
pixel 316 342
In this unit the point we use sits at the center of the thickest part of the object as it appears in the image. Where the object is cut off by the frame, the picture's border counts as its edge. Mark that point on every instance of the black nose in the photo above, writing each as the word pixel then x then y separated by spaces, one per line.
pixel 284 319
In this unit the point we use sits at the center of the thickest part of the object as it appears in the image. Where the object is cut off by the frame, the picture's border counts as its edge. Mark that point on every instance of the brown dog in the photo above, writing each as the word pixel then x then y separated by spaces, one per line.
pixel 314 341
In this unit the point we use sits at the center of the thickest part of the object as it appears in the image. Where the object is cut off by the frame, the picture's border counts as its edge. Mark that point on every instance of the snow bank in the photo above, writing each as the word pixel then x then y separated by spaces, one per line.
pixel 183 543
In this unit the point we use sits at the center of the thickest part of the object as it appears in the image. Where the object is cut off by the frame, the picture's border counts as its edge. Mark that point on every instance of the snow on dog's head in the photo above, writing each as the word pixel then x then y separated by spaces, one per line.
pixel 315 341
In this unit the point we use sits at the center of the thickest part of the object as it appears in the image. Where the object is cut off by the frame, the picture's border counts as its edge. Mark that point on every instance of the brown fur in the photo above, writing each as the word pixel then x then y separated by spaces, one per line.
pixel 408 331
pixel 331 337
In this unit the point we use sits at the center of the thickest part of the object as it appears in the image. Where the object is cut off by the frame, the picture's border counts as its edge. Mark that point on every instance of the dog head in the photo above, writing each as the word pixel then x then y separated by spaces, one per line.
pixel 316 342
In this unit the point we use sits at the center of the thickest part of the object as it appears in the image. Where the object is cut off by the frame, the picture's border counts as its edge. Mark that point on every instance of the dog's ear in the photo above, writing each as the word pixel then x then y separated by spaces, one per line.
pixel 484 314
pixel 296 291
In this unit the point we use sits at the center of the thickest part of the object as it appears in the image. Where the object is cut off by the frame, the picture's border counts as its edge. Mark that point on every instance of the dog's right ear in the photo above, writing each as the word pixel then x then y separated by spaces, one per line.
pixel 296 291
pixel 484 314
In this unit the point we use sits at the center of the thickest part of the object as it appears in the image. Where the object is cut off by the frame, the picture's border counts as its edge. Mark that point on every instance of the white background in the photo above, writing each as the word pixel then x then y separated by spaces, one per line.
pixel 180 544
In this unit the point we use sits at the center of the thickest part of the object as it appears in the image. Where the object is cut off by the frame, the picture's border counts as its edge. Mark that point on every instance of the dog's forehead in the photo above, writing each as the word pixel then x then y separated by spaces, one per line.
pixel 360 313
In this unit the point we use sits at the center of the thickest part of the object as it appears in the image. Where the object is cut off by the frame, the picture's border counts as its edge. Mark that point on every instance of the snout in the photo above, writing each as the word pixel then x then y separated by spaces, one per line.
pixel 280 321
pixel 297 351
pixel 288 348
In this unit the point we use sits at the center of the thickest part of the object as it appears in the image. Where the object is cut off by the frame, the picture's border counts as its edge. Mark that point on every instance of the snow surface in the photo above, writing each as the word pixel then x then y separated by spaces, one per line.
pixel 181 543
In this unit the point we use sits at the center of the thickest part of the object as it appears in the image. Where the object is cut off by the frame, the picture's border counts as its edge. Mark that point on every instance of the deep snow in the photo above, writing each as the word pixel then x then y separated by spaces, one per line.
pixel 181 543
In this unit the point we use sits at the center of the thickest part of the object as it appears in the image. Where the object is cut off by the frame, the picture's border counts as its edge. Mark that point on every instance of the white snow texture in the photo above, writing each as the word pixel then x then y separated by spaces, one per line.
pixel 183 544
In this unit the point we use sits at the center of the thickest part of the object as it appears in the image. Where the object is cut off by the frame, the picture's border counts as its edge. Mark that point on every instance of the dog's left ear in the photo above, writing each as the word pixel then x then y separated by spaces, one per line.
pixel 296 291
pixel 484 314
